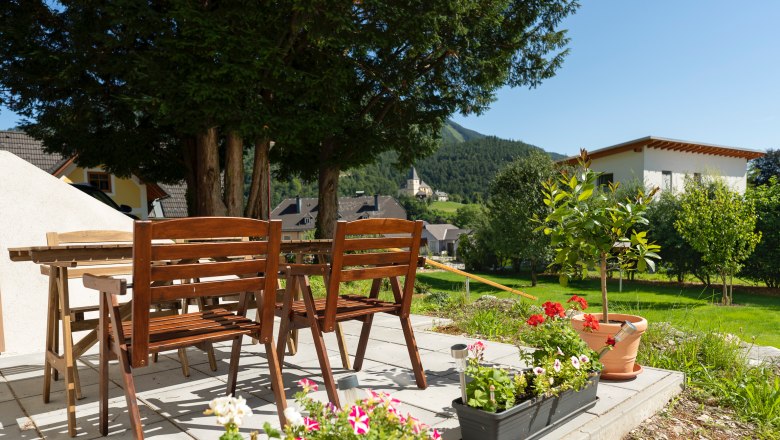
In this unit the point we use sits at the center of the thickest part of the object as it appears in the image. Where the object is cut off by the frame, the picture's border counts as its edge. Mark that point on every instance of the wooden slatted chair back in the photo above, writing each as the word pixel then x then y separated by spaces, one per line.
pixel 214 267
pixel 369 249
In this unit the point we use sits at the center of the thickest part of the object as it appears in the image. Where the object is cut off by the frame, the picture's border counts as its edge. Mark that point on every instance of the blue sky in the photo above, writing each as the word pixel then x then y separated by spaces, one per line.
pixel 695 70
pixel 704 71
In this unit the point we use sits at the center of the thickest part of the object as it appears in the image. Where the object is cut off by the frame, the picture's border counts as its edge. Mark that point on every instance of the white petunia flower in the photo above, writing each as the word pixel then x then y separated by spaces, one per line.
pixel 293 417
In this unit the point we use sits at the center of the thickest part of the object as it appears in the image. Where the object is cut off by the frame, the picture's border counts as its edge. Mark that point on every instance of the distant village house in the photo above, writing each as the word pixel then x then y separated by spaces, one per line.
pixel 299 214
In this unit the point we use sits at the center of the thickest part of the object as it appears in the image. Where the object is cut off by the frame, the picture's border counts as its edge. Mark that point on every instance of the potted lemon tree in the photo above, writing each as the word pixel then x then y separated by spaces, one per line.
pixel 588 226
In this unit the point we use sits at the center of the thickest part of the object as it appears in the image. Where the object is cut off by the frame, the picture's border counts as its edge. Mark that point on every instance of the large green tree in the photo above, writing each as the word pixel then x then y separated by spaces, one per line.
pixel 516 198
pixel 392 74
pixel 764 263
pixel 166 90
pixel 721 224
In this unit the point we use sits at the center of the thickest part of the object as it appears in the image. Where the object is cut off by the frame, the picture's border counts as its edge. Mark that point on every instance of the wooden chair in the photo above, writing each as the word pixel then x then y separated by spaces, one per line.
pixel 378 258
pixel 78 321
pixel 132 342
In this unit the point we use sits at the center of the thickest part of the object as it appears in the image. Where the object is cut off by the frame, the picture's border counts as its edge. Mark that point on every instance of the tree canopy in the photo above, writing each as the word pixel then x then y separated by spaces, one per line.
pixel 180 88
pixel 721 224
pixel 763 168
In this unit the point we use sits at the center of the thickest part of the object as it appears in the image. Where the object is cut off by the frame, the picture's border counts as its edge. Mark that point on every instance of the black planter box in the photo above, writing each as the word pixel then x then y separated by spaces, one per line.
pixel 529 419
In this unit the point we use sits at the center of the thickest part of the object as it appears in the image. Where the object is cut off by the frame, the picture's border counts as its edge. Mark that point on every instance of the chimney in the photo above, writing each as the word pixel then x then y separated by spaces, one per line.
pixel 376 202
pixel 297 204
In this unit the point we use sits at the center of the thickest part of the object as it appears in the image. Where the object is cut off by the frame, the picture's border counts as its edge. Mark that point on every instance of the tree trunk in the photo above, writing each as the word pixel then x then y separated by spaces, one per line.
pixel 328 197
pixel 605 305
pixel 234 175
pixel 725 300
pixel 533 273
pixel 258 204
pixel 190 155
pixel 209 191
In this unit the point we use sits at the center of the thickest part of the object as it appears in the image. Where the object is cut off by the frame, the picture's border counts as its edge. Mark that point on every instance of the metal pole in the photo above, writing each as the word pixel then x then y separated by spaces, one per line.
pixel 621 279
pixel 468 290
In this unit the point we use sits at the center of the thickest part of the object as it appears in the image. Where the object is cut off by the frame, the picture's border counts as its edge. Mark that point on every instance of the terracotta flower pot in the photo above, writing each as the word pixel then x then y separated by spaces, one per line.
pixel 619 363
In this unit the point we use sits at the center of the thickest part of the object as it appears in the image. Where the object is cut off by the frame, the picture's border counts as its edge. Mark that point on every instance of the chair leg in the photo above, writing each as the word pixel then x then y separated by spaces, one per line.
pixel 120 349
pixel 103 367
pixel 285 320
pixel 319 345
pixel 414 354
pixel 363 342
pixel 342 347
pixel 212 357
pixel 235 353
pixel 185 362
pixel 275 371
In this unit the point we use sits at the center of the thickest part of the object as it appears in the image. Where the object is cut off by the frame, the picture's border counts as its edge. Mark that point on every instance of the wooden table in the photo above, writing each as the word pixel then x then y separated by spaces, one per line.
pixel 63 258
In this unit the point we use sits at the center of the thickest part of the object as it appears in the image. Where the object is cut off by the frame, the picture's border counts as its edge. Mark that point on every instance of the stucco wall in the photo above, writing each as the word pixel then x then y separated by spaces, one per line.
pixel 731 170
pixel 32 203
pixel 625 166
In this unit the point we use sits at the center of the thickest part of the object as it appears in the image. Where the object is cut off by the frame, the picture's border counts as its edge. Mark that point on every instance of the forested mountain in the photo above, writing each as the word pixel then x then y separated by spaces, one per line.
pixel 463 167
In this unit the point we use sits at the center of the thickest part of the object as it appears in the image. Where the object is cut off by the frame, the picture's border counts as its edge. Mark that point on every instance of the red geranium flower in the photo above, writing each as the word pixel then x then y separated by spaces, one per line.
pixel 591 322
pixel 579 300
pixel 611 341
pixel 535 320
pixel 551 309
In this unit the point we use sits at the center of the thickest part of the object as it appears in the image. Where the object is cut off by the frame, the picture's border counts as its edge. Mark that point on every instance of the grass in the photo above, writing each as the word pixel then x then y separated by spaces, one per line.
pixel 691 307
pixel 449 207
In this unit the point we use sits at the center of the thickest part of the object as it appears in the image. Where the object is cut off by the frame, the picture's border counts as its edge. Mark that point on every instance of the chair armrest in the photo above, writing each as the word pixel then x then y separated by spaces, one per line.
pixel 303 269
pixel 116 286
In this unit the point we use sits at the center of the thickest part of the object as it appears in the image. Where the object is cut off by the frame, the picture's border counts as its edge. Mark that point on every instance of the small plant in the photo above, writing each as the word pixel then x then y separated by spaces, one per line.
pixel 230 412
pixel 376 417
pixel 561 359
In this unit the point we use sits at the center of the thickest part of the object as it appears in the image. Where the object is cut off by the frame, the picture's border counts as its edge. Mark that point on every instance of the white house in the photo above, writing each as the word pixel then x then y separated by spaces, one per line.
pixel 442 238
pixel 665 162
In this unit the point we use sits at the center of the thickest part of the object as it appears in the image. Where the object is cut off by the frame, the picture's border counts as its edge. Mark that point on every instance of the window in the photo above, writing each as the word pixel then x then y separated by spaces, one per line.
pixel 605 179
pixel 666 180
pixel 100 180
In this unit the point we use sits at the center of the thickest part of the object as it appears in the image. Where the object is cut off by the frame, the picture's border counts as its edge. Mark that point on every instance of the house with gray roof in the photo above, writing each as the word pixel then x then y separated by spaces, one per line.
pixel 443 238
pixel 146 199
pixel 299 214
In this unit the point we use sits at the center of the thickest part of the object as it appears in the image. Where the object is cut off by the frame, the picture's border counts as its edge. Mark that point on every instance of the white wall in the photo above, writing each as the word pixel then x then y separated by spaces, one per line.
pixel 625 166
pixel 32 202
pixel 731 169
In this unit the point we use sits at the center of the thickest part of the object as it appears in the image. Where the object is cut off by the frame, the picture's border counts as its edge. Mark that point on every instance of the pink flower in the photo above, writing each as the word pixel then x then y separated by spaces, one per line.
pixel 557 365
pixel 575 362
pixel 477 347
pixel 417 426
pixel 538 370
pixel 435 435
pixel 311 424
pixel 307 385
pixel 584 359
pixel 359 420
pixel 331 408
pixel 560 352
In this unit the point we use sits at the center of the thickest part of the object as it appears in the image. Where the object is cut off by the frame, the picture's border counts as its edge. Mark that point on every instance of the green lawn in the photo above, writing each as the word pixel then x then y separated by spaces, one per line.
pixel 446 206
pixel 685 307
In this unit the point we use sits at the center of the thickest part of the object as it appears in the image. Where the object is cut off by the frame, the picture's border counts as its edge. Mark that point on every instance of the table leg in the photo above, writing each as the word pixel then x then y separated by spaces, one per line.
pixel 51 323
pixel 67 341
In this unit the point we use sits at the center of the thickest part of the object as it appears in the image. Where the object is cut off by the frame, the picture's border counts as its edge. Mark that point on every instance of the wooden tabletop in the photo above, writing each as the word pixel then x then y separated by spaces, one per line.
pixel 94 252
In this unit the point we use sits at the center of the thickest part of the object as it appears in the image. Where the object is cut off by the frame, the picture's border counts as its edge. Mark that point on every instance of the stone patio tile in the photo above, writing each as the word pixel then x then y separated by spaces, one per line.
pixel 11 414
pixel 168 393
pixel 648 378
pixel 609 398
pixel 161 430
pixel 5 392
pixel 51 419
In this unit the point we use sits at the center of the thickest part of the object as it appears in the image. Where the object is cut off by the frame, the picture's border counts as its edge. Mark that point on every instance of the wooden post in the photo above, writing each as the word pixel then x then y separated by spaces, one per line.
pixel 467 287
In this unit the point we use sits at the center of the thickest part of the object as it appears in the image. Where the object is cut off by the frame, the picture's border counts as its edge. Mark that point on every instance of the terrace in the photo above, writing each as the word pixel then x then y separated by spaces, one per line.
pixel 172 406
